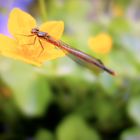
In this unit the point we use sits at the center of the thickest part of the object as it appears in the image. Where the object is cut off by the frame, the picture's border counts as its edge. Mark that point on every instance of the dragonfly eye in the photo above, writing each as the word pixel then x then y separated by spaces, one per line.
pixel 34 30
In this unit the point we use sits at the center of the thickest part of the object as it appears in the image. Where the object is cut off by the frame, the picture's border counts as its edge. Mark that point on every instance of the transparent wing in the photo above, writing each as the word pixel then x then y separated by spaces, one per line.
pixel 83 63
pixel 84 59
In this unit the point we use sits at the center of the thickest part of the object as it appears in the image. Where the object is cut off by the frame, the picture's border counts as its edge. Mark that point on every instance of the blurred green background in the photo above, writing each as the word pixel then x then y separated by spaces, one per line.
pixel 63 101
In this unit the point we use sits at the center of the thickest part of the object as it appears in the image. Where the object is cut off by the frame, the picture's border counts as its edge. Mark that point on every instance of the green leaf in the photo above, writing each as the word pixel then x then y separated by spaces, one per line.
pixel 133 109
pixel 109 83
pixel 119 25
pixel 30 90
pixel 123 3
pixel 74 128
pixel 131 134
pixel 43 134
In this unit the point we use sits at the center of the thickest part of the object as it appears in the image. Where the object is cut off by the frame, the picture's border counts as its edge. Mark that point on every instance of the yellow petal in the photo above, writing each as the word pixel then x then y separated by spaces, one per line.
pixel 9 48
pixel 20 22
pixel 53 28
pixel 7 44
pixel 52 54
pixel 117 10
pixel 102 43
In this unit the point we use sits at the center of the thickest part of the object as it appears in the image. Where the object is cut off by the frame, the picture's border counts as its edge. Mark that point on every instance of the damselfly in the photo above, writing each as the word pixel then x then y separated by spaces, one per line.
pixel 79 56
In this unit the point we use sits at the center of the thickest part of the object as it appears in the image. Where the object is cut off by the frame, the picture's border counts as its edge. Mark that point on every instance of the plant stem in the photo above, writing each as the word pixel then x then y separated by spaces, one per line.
pixel 43 10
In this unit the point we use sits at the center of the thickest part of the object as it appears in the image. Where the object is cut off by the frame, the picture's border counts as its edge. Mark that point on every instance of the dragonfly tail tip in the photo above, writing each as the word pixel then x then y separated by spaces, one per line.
pixel 114 73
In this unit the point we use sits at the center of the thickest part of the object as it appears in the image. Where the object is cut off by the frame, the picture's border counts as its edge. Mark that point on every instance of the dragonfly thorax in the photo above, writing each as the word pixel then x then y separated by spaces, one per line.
pixel 37 32
pixel 41 34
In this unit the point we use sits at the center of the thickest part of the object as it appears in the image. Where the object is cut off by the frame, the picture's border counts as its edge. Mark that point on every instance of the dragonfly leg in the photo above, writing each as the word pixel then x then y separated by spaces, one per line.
pixel 41 47
pixel 25 35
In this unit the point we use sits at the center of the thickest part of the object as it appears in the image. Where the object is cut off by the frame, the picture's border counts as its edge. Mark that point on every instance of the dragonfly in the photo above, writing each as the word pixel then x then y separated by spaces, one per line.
pixel 82 58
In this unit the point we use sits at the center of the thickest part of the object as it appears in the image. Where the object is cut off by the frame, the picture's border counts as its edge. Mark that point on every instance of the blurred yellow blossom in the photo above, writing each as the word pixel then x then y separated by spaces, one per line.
pixel 102 43
pixel 20 24
pixel 117 10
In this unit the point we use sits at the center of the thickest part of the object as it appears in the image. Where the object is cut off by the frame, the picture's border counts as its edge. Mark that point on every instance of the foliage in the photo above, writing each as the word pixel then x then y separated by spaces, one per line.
pixel 62 100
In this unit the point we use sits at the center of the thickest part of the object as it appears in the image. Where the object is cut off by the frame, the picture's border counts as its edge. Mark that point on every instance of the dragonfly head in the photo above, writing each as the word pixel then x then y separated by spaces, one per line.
pixel 34 31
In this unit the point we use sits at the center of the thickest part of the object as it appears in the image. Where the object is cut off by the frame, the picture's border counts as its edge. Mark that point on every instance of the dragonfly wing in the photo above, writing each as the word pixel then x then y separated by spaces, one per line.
pixel 84 63
pixel 83 59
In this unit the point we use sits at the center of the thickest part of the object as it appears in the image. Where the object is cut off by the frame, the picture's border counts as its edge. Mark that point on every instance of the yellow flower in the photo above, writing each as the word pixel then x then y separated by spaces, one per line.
pixel 117 10
pixel 20 24
pixel 102 43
